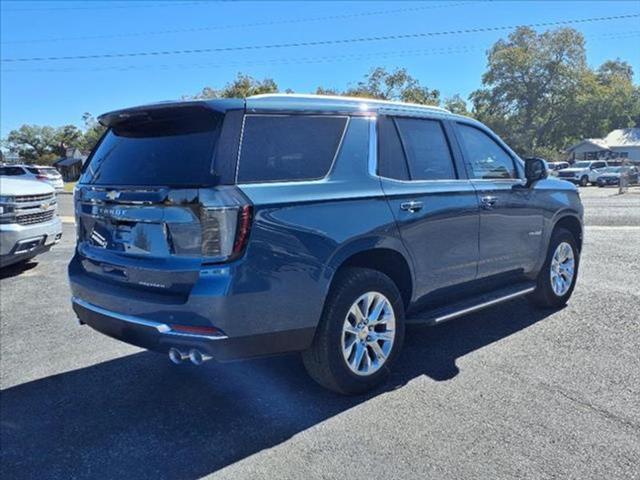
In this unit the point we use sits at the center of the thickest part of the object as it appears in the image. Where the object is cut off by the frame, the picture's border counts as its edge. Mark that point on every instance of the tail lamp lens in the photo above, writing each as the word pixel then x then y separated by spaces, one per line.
pixel 225 231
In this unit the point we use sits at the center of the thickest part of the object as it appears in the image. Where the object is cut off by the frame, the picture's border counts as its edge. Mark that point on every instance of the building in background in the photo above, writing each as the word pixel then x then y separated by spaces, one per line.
pixel 71 164
pixel 621 144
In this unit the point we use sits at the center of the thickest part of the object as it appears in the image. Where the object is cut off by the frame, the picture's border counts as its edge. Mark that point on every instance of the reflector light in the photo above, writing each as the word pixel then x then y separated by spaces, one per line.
pixel 197 330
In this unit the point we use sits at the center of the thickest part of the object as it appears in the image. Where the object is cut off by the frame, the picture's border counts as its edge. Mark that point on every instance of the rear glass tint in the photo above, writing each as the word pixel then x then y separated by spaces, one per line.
pixel 295 147
pixel 170 149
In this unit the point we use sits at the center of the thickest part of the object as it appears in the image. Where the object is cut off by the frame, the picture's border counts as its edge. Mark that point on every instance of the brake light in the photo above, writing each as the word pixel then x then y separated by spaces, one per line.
pixel 242 233
pixel 42 177
pixel 225 231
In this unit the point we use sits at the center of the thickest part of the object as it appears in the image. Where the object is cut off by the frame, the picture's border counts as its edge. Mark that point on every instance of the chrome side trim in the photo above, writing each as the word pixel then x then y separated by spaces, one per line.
pixel 162 328
pixel 480 306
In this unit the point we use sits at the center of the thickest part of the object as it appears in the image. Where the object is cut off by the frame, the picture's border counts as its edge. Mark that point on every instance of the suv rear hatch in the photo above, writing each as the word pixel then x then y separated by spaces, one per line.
pixel 150 207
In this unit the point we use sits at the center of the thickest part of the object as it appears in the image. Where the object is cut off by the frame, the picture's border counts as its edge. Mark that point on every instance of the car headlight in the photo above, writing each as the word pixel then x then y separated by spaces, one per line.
pixel 6 199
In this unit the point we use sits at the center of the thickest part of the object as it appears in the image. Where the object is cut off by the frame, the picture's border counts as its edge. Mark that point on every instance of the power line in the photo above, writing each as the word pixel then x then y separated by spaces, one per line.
pixel 109 6
pixel 456 49
pixel 241 25
pixel 316 42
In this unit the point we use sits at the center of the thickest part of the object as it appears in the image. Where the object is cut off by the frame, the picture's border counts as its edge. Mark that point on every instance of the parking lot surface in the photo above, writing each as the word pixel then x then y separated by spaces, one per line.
pixel 510 392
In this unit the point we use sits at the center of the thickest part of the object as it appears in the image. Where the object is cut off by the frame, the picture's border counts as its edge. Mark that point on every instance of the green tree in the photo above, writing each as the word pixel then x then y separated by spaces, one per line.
pixel 531 85
pixel 397 85
pixel 241 87
pixel 456 104
pixel 68 136
pixel 34 143
pixel 93 130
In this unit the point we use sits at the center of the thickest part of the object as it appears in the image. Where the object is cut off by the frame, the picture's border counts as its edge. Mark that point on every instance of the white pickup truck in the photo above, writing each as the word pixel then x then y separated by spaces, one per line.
pixel 29 224
pixel 583 172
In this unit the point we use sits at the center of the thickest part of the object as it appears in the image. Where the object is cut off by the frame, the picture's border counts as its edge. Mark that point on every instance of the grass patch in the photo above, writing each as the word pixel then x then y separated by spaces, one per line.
pixel 69 186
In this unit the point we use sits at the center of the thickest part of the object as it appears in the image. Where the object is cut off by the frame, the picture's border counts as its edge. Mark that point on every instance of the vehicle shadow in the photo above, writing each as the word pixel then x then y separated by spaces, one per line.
pixel 17 268
pixel 140 417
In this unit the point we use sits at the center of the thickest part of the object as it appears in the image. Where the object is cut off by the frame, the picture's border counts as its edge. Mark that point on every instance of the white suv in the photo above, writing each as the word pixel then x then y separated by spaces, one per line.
pixel 34 172
pixel 583 172
pixel 29 224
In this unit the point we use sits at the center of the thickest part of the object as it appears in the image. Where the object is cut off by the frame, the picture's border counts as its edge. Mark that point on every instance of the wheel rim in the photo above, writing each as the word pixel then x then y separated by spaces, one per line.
pixel 368 333
pixel 562 269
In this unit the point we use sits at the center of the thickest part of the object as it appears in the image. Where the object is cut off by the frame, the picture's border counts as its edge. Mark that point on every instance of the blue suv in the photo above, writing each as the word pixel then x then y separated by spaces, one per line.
pixel 232 228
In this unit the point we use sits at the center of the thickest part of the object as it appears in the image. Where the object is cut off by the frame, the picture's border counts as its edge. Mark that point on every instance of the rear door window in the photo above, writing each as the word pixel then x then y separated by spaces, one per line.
pixel 427 149
pixel 391 160
pixel 288 147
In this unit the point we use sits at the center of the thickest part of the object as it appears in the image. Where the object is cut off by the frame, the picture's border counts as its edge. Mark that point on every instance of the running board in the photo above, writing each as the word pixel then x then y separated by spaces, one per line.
pixel 469 305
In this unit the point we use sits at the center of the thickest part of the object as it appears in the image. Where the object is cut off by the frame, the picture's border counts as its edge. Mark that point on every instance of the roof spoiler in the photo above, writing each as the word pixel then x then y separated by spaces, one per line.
pixel 142 112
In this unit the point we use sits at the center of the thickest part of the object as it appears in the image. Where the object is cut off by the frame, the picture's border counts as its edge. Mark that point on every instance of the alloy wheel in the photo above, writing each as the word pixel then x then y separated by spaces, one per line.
pixel 368 333
pixel 562 269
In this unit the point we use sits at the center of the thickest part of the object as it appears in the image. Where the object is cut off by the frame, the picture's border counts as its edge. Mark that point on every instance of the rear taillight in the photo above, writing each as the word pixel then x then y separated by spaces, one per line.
pixel 225 231
pixel 42 177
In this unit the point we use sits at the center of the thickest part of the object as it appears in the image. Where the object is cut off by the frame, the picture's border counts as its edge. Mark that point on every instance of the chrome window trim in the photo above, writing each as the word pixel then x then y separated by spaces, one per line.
pixel 347 119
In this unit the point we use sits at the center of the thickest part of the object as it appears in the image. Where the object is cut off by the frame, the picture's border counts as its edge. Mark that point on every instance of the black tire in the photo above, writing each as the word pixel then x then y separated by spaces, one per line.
pixel 324 361
pixel 584 181
pixel 544 296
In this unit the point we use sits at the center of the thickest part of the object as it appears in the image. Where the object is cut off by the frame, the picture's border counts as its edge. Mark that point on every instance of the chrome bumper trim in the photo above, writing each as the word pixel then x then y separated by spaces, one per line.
pixel 162 328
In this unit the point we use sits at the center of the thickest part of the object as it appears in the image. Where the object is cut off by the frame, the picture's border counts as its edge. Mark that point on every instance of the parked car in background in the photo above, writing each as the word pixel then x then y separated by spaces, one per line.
pixel 582 172
pixel 308 223
pixel 611 175
pixel 555 166
pixel 29 224
pixel 34 172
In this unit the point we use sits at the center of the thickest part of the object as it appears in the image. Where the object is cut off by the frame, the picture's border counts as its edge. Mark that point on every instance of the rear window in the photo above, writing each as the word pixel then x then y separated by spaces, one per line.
pixel 11 171
pixel 294 147
pixel 171 149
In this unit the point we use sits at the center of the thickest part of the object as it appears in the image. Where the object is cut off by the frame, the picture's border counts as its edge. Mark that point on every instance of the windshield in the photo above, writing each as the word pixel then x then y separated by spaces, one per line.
pixel 11 171
pixel 581 165
pixel 169 151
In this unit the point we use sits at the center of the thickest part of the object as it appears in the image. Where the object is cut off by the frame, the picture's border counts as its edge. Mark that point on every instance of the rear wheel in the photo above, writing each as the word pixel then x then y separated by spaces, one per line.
pixel 557 278
pixel 360 334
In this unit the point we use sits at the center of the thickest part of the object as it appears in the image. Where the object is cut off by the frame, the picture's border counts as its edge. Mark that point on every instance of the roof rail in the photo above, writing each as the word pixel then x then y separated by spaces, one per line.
pixel 349 99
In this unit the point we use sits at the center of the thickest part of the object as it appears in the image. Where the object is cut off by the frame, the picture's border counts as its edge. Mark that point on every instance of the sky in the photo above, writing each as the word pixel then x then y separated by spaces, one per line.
pixel 57 92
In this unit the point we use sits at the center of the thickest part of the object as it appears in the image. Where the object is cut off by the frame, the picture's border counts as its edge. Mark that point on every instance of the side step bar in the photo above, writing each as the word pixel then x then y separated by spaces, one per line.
pixel 472 304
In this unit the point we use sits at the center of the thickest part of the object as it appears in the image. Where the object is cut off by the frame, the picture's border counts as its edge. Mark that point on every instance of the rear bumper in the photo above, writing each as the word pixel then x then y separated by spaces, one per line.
pixel 160 337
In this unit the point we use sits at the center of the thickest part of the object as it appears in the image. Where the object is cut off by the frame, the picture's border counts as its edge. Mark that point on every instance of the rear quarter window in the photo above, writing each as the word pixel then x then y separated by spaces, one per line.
pixel 288 147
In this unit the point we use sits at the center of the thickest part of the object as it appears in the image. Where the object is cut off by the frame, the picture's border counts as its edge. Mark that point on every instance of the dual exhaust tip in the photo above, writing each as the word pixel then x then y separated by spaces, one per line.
pixel 195 356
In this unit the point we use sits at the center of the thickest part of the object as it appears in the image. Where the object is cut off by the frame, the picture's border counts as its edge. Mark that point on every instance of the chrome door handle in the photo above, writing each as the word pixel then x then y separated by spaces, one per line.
pixel 411 206
pixel 488 202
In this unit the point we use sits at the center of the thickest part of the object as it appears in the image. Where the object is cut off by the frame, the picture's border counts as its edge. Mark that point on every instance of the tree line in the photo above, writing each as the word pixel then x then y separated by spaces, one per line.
pixel 538 93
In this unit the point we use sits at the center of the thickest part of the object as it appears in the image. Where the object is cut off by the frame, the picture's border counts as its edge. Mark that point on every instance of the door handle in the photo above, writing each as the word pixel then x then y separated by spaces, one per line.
pixel 488 202
pixel 412 206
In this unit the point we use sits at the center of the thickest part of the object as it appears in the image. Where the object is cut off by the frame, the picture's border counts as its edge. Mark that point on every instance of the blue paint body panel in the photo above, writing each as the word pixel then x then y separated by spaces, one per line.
pixel 271 298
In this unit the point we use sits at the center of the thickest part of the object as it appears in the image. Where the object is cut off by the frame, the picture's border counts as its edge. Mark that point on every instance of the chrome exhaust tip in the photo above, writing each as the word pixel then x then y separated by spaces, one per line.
pixel 197 357
pixel 176 356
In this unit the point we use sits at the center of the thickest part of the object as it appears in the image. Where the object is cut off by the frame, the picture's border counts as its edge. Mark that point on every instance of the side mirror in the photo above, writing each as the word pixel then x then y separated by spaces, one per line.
pixel 534 170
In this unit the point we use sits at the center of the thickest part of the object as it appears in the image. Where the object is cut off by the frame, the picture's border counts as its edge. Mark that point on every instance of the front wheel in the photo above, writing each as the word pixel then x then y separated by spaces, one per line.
pixel 360 334
pixel 584 181
pixel 557 279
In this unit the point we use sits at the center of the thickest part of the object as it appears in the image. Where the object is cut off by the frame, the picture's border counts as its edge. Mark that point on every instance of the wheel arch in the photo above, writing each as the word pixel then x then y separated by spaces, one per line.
pixel 389 258
pixel 571 223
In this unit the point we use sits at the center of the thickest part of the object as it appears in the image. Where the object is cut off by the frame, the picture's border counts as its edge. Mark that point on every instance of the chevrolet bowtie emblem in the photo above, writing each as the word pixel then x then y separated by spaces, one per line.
pixel 112 194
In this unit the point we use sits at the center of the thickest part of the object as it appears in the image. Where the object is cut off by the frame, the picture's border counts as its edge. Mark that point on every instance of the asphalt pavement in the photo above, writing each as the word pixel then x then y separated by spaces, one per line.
pixel 510 392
